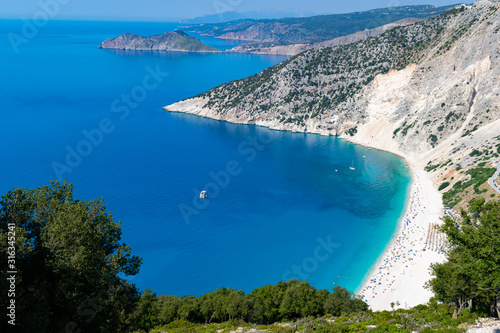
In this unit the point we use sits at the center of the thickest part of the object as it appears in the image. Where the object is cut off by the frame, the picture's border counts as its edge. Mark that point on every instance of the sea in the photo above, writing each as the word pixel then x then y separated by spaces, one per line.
pixel 280 205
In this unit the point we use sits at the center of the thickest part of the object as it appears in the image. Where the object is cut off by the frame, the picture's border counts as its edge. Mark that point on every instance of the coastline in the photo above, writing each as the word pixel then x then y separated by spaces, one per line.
pixel 401 271
pixel 401 218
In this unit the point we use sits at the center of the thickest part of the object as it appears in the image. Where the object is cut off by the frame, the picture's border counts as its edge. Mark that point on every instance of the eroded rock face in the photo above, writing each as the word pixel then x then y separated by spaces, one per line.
pixel 169 41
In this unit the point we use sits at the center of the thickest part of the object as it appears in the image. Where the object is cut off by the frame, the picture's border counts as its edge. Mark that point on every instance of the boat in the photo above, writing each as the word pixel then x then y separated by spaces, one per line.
pixel 352 166
pixel 203 195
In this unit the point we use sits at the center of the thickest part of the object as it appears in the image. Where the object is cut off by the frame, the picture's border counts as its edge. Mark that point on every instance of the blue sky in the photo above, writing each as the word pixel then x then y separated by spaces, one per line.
pixel 171 10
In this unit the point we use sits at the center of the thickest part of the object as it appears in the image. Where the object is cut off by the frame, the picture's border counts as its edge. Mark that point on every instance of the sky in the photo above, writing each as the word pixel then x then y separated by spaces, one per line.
pixel 174 10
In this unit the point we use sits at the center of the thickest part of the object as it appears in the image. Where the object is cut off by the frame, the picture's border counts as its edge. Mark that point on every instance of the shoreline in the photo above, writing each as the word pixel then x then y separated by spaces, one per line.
pixel 402 270
pixel 389 244
pixel 407 257
pixel 400 273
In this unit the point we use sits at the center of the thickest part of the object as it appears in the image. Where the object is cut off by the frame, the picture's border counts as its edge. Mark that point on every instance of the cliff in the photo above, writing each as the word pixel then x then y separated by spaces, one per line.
pixel 169 41
pixel 428 91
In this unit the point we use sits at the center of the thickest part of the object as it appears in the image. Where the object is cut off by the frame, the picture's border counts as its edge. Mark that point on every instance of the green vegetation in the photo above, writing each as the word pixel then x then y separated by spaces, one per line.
pixel 431 167
pixel 406 129
pixel 475 152
pixel 478 176
pixel 352 131
pixel 443 186
pixel 284 301
pixel 422 318
pixel 471 276
pixel 433 139
pixel 68 257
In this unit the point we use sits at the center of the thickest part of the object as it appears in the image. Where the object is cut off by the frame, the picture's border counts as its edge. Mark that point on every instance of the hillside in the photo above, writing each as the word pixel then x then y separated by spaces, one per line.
pixel 308 30
pixel 427 91
pixel 169 41
pixel 294 49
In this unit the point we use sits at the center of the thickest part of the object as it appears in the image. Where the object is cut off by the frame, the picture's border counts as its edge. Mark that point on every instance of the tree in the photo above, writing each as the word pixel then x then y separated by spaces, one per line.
pixel 146 314
pixel 169 308
pixel 266 302
pixel 189 309
pixel 222 304
pixel 68 258
pixel 472 272
pixel 341 301
pixel 301 300
pixel 454 282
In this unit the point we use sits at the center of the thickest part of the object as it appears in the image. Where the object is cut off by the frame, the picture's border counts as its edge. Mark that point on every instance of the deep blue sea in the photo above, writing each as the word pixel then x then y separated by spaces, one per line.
pixel 281 205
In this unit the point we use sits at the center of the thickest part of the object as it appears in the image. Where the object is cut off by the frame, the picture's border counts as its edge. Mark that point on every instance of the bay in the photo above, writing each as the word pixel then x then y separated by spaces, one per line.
pixel 281 205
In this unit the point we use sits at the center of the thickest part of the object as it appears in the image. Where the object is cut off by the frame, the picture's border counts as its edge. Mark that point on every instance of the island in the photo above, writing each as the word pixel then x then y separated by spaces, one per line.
pixel 176 40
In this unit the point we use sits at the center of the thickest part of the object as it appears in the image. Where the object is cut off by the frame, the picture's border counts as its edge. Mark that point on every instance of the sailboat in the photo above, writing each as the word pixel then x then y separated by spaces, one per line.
pixel 352 166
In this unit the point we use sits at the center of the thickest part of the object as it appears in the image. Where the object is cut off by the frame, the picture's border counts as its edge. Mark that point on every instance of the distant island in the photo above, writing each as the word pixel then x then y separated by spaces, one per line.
pixel 176 40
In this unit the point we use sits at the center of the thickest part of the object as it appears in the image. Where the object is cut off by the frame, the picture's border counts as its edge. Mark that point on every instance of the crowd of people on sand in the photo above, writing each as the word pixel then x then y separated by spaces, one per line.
pixel 410 243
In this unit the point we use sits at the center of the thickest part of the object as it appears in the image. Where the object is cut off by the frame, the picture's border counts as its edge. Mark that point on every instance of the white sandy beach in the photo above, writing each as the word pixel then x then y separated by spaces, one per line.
pixel 402 271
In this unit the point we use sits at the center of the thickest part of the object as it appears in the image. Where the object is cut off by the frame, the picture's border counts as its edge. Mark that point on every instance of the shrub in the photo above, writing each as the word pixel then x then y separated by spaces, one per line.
pixel 443 186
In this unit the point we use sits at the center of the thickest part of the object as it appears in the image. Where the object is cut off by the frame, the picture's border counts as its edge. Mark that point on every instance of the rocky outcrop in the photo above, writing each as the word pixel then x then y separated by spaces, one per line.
pixel 169 41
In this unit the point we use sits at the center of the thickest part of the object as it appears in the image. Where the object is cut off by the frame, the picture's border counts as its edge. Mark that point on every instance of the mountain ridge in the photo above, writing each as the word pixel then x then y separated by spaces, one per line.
pixel 315 29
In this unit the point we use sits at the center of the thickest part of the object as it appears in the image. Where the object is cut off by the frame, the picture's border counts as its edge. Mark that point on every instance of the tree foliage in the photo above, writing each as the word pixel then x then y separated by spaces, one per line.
pixel 268 304
pixel 341 301
pixel 68 258
pixel 471 276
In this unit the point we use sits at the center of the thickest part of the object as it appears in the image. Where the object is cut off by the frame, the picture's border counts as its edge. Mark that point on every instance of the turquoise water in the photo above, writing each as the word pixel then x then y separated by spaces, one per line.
pixel 277 207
